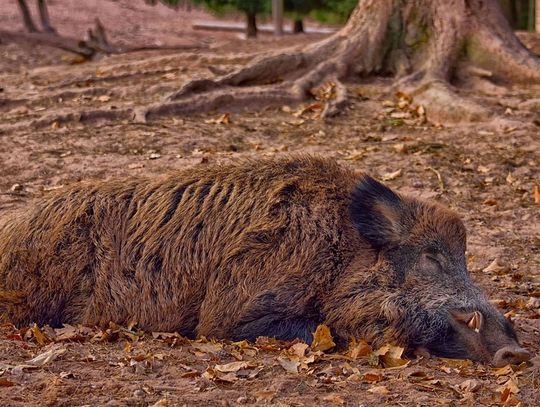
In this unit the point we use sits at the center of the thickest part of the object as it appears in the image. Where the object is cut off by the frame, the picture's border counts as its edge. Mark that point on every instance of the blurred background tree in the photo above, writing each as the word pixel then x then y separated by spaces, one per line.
pixel 251 8
pixel 520 13
pixel 299 9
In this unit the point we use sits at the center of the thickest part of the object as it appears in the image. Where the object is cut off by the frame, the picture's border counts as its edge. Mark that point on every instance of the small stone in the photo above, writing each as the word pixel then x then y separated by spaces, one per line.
pixel 139 393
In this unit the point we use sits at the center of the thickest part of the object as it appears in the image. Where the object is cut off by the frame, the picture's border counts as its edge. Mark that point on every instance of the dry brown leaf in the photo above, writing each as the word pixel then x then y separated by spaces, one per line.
pixel 358 349
pixel 536 194
pixel 225 118
pixel 511 386
pixel 391 356
pixel 6 383
pixel 47 357
pixel 400 148
pixel 308 108
pixel 41 338
pixel 207 347
pixel 161 403
pixel 382 390
pixel 503 371
pixel 389 176
pixel 497 267
pixel 265 396
pixel 233 367
pixel 470 385
pixel 334 399
pixel 483 169
pixel 322 339
pixel 289 365
pixel 299 349
pixel 66 333
pixel 490 202
pixel 373 376
pixel 215 375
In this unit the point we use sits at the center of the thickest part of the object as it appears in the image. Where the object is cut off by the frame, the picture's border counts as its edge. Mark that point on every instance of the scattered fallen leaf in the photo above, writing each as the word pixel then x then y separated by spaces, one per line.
pixel 6 383
pixel 41 339
pixel 373 376
pixel 212 374
pixel 490 202
pixel 225 118
pixel 334 399
pixel 233 366
pixel 358 349
pixel 470 385
pixel 47 357
pixel 289 365
pixel 265 396
pixel 161 403
pixel 104 98
pixel 390 356
pixel 299 349
pixel 322 339
pixel 497 267
pixel 536 194
pixel 389 176
pixel 382 390
pixel 67 375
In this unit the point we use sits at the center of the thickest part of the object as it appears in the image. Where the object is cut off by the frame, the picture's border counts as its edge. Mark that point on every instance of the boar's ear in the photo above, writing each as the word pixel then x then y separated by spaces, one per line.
pixel 376 211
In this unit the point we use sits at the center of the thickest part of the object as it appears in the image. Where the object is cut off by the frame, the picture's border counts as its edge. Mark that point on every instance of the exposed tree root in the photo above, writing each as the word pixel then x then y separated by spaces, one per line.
pixel 423 43
pixel 369 47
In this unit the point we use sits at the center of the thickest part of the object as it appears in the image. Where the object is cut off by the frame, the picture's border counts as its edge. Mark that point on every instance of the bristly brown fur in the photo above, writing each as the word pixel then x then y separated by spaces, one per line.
pixel 271 248
pixel 183 252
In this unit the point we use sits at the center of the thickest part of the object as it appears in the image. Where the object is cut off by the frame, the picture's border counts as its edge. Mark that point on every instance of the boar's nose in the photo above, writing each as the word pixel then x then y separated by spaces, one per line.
pixel 512 354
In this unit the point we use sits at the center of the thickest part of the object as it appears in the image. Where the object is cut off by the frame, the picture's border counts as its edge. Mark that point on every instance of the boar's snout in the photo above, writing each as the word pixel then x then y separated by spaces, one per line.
pixel 513 354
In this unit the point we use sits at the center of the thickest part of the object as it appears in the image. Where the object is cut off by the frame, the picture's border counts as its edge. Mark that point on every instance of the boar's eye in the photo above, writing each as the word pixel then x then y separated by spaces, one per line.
pixel 434 256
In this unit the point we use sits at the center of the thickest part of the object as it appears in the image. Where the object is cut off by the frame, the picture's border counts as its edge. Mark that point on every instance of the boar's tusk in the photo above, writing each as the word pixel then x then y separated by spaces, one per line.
pixel 475 323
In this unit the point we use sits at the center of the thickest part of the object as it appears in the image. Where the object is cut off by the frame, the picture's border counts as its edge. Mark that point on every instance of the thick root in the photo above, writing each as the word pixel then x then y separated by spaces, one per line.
pixel 443 105
pixel 509 59
pixel 228 99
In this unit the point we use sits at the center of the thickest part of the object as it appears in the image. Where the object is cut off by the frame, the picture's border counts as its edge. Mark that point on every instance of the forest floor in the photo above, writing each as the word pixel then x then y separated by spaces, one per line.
pixel 486 171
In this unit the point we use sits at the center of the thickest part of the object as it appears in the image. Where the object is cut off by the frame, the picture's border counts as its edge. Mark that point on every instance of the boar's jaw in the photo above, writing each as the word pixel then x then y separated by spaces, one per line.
pixel 484 336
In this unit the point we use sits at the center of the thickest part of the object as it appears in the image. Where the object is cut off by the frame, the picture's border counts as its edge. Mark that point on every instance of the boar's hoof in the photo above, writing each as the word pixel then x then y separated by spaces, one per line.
pixel 510 355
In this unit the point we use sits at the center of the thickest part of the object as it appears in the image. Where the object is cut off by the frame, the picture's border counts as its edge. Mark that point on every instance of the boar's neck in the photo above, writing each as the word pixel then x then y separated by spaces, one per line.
pixel 355 306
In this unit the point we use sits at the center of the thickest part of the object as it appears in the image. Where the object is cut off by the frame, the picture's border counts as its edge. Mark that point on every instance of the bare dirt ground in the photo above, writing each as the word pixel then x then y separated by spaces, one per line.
pixel 487 172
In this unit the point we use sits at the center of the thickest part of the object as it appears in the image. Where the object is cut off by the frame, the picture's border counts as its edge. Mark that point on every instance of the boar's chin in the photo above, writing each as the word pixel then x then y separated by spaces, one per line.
pixel 450 344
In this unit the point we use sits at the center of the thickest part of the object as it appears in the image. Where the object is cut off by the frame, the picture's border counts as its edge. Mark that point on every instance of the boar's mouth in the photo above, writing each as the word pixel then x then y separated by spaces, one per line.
pixel 468 335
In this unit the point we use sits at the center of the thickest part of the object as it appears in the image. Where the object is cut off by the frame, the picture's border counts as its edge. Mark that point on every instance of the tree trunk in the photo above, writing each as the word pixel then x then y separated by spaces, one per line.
pixel 251 28
pixel 44 16
pixel 298 26
pixel 426 46
pixel 27 17
pixel 538 16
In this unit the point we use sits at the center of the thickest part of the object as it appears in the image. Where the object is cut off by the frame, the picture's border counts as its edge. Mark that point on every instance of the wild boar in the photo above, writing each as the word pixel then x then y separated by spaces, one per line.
pixel 261 248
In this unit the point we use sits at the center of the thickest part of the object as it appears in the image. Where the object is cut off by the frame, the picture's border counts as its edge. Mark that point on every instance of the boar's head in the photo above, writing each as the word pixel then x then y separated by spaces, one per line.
pixel 429 301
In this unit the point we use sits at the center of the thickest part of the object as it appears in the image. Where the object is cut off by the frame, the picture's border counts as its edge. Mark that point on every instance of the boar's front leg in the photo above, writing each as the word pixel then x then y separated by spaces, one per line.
pixel 271 314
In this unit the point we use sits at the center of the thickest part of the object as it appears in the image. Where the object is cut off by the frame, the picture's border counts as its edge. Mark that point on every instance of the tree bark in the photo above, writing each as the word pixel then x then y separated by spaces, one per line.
pixel 298 26
pixel 44 16
pixel 27 17
pixel 251 25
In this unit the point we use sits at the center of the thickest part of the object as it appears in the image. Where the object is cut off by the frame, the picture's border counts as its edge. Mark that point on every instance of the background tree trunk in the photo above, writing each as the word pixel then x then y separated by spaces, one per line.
pixel 251 27
pixel 298 26
pixel 44 16
pixel 27 17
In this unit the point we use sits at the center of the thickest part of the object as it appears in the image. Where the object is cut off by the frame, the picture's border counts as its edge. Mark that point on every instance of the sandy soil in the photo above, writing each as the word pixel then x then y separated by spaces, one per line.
pixel 487 172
